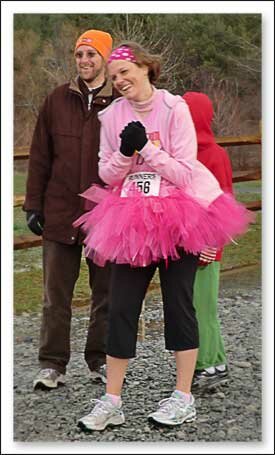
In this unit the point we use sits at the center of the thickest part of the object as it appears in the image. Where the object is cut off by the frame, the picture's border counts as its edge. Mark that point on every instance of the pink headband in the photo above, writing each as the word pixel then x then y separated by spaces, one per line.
pixel 122 53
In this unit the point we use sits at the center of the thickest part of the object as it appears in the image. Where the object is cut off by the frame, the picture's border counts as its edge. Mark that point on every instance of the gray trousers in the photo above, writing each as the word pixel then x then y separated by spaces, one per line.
pixel 61 266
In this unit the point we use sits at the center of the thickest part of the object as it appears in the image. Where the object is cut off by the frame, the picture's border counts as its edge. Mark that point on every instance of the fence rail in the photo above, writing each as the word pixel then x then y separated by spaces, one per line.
pixel 22 153
pixel 227 141
pixel 238 176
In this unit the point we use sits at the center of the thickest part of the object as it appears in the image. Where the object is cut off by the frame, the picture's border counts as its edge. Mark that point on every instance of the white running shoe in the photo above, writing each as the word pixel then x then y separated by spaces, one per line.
pixel 104 413
pixel 48 378
pixel 174 411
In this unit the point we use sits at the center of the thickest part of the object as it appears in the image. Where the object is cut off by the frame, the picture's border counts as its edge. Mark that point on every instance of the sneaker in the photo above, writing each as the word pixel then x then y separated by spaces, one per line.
pixel 174 411
pixel 48 378
pixel 104 413
pixel 210 377
pixel 99 374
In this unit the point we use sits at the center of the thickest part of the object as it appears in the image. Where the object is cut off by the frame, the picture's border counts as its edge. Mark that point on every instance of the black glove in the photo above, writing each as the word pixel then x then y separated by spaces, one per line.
pixel 126 149
pixel 133 137
pixel 35 221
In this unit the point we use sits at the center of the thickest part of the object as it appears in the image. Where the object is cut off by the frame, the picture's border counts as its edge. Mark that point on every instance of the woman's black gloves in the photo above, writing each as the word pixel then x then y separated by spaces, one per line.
pixel 35 221
pixel 133 137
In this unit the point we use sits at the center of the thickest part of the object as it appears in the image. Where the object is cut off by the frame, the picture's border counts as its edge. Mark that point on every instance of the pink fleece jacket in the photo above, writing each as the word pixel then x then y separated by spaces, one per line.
pixel 171 150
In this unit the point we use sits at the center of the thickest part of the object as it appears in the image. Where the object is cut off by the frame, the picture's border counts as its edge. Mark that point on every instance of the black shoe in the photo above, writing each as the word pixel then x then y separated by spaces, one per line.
pixel 99 375
pixel 209 378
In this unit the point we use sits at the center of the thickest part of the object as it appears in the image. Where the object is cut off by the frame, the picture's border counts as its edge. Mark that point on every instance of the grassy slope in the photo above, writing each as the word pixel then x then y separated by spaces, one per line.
pixel 28 280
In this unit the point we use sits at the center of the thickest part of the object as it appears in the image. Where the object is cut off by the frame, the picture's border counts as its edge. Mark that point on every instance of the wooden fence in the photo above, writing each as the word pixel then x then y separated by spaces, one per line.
pixel 22 153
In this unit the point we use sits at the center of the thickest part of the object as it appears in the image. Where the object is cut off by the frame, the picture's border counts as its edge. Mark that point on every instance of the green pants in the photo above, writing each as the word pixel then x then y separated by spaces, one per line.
pixel 206 290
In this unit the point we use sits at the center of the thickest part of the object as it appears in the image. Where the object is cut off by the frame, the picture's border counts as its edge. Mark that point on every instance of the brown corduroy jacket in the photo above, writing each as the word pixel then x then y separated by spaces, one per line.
pixel 64 158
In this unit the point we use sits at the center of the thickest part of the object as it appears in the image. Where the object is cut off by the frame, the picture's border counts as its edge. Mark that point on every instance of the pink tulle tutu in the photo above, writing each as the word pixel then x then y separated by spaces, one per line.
pixel 139 230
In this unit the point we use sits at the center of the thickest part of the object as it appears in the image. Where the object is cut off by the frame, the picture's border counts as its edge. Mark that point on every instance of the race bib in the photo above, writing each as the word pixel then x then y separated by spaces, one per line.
pixel 147 183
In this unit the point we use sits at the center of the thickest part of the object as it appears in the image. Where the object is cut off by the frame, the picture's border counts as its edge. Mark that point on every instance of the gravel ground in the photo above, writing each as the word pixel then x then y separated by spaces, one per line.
pixel 229 413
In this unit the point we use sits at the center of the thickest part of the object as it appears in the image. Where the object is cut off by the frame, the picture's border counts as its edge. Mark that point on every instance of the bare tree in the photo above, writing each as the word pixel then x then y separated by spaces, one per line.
pixel 156 42
pixel 250 60
pixel 38 69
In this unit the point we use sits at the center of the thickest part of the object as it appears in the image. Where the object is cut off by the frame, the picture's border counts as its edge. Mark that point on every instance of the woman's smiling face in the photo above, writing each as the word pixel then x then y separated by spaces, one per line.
pixel 129 79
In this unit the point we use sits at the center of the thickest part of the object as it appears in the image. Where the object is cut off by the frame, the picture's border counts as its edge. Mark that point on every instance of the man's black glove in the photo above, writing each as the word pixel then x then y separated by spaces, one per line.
pixel 133 137
pixel 35 221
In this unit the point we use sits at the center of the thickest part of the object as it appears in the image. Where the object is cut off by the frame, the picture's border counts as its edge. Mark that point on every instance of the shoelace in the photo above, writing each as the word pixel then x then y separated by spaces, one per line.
pixel 46 372
pixel 101 406
pixel 102 369
pixel 170 403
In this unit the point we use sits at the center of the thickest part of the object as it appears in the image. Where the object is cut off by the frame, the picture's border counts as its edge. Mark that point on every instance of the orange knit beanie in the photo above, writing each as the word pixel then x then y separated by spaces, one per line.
pixel 101 41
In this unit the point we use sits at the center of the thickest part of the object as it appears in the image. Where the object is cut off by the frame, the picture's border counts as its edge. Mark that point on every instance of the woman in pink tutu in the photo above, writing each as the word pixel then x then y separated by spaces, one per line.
pixel 161 208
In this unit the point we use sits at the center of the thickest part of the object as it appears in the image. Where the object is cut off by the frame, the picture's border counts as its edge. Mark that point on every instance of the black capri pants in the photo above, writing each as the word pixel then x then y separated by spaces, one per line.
pixel 127 291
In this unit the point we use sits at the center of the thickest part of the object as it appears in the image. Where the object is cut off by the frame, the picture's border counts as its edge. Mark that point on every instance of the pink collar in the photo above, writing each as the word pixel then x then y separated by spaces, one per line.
pixel 144 106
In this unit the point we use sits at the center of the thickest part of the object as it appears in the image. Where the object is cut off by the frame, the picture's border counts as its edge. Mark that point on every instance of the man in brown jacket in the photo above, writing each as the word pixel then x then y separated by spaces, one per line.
pixel 63 163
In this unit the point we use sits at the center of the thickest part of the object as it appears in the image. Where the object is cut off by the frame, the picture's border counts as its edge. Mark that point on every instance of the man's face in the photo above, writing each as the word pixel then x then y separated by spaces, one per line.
pixel 90 64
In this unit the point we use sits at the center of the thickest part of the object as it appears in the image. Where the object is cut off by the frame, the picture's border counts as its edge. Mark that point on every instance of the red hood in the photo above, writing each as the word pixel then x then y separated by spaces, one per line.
pixel 202 112
pixel 213 156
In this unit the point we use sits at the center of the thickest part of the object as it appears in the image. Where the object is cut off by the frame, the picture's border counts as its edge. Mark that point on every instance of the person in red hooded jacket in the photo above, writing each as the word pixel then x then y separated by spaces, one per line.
pixel 211 367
